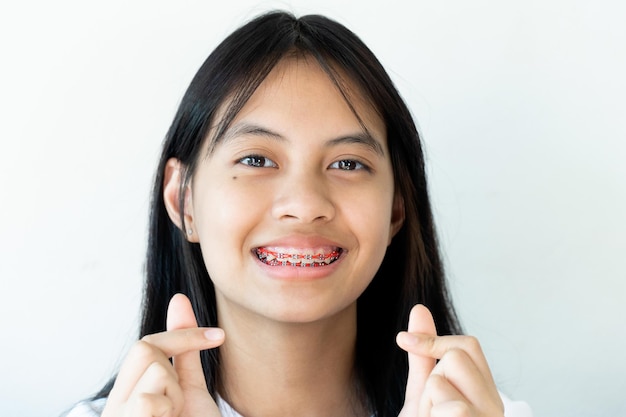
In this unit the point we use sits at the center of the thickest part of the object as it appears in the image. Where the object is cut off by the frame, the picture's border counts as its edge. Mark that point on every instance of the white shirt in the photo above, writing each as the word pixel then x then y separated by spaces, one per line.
pixel 94 408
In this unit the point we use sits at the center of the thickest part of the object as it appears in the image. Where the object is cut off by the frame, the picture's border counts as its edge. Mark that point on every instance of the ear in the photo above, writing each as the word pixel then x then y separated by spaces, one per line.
pixel 397 216
pixel 172 181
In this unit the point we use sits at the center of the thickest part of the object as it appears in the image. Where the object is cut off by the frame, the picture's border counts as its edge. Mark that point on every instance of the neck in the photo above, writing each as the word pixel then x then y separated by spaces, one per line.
pixel 270 368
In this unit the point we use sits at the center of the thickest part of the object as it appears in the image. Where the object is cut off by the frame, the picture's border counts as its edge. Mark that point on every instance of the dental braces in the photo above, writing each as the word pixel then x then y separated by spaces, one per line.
pixel 295 259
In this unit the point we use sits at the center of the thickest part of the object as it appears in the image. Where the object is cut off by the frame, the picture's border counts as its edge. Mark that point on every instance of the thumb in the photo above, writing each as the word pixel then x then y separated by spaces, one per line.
pixel 420 367
pixel 188 366
pixel 180 314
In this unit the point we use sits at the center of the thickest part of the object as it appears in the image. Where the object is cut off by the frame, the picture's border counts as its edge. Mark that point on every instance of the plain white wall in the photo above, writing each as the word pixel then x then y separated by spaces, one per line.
pixel 522 106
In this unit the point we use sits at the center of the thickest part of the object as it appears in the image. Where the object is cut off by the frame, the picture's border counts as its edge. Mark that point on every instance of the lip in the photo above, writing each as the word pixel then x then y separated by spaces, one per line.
pixel 300 244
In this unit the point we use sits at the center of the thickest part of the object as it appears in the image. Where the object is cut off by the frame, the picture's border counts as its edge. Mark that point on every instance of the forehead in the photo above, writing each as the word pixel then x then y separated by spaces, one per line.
pixel 299 89
pixel 304 78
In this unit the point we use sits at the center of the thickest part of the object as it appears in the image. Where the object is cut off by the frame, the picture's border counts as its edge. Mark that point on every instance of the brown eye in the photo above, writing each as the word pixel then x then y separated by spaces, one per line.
pixel 347 165
pixel 257 161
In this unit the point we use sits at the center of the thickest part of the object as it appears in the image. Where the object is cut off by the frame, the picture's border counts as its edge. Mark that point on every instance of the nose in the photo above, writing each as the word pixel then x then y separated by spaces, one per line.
pixel 303 198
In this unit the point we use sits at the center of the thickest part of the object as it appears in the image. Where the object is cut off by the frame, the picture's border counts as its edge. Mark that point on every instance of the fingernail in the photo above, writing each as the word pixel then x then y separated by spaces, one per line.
pixel 214 334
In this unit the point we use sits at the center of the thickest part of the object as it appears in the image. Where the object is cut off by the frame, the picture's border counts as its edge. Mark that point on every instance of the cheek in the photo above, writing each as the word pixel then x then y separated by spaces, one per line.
pixel 225 214
pixel 223 201
pixel 370 217
pixel 373 206
pixel 222 225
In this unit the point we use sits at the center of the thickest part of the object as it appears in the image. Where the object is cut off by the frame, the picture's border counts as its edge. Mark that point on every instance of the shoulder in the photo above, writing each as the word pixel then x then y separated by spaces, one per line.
pixel 87 409
pixel 515 408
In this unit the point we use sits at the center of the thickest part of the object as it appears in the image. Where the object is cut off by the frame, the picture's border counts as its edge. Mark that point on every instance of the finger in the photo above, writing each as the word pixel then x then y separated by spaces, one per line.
pixel 158 347
pixel 149 405
pixel 457 384
pixel 140 357
pixel 187 364
pixel 452 408
pixel 160 380
pixel 437 391
pixel 420 366
pixel 460 371
pixel 437 346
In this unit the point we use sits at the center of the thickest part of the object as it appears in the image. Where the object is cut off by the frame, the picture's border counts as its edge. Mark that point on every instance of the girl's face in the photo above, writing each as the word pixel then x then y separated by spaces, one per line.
pixel 295 207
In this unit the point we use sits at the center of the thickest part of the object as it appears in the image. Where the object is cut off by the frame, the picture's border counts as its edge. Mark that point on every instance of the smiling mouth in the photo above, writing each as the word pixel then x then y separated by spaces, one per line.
pixel 305 259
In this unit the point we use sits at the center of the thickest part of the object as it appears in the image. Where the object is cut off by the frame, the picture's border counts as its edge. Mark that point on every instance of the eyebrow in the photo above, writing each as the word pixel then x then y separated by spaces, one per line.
pixel 360 138
pixel 244 129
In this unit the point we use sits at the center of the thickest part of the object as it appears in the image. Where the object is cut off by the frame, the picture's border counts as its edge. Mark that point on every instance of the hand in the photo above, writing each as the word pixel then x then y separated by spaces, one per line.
pixel 148 385
pixel 460 384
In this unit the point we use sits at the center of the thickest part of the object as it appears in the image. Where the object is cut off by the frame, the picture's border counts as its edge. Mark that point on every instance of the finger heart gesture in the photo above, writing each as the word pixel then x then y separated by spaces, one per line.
pixel 149 385
pixel 448 375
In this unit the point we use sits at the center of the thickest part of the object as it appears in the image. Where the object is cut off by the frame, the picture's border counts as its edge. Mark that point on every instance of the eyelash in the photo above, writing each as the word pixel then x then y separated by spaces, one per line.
pixel 259 161
pixel 353 165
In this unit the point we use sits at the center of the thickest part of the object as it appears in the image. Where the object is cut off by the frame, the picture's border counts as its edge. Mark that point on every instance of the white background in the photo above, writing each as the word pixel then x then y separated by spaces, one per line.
pixel 522 106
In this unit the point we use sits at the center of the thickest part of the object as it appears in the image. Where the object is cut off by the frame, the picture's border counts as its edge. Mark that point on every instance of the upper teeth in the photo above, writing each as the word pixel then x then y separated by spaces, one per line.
pixel 292 257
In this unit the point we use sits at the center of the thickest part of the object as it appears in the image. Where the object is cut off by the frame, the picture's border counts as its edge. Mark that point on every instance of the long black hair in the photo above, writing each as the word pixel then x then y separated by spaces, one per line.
pixel 411 271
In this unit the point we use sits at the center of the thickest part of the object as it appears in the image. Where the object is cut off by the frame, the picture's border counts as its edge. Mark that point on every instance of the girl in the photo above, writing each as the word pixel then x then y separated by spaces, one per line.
pixel 290 208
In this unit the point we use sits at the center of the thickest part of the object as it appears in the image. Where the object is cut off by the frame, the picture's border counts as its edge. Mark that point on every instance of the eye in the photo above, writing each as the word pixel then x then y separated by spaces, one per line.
pixel 257 161
pixel 348 165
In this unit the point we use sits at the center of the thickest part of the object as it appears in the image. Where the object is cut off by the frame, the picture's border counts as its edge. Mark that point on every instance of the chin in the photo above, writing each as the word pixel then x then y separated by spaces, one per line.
pixel 299 312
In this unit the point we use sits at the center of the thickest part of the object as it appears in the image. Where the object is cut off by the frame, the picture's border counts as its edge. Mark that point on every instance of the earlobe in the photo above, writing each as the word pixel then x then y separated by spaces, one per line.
pixel 182 217
pixel 397 216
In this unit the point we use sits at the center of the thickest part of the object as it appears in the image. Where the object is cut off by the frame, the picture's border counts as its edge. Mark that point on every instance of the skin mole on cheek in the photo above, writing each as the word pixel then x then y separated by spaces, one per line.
pixel 235 177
